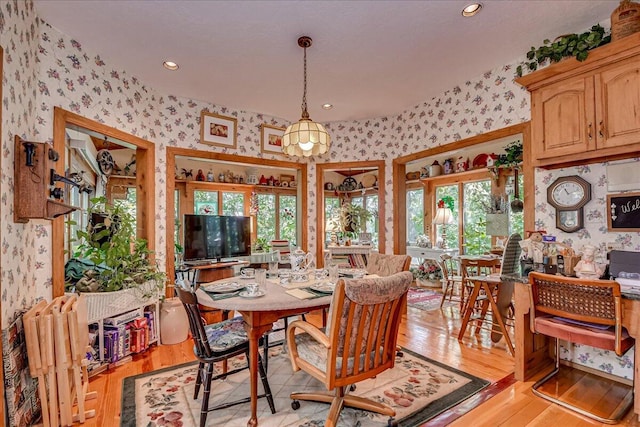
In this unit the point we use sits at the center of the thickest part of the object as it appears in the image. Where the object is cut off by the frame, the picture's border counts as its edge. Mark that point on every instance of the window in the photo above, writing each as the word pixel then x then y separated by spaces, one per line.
pixel 209 203
pixel 288 211
pixel 370 203
pixel 469 200
pixel 516 220
pixel 474 224
pixel 415 214
pixel 331 224
pixel 276 218
pixel 232 204
pixel 205 202
pixel 78 217
pixel 449 232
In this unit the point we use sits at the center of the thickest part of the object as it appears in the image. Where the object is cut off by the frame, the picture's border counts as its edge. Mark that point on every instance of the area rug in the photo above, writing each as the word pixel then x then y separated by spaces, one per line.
pixel 417 388
pixel 425 299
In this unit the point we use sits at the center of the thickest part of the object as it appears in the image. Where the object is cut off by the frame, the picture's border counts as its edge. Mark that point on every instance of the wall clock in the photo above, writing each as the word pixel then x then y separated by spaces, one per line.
pixel 568 195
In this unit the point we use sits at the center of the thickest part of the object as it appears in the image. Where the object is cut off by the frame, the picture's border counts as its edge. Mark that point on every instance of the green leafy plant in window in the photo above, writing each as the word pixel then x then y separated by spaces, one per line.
pixel 113 257
pixel 569 45
pixel 512 156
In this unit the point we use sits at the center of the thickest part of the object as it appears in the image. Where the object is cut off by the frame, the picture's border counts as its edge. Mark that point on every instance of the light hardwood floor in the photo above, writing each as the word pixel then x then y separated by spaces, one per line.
pixel 433 334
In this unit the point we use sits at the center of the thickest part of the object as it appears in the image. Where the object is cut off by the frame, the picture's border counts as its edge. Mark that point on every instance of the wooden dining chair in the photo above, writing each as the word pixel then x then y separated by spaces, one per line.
pixel 218 342
pixel 386 265
pixel 359 342
pixel 581 311
pixel 451 281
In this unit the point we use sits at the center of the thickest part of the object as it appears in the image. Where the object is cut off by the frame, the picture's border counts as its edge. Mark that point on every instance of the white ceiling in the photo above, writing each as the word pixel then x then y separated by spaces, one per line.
pixel 369 58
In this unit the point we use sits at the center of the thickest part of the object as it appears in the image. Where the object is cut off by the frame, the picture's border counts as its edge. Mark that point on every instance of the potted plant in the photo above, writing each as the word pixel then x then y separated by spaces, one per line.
pixel 576 45
pixel 114 258
pixel 427 272
pixel 352 219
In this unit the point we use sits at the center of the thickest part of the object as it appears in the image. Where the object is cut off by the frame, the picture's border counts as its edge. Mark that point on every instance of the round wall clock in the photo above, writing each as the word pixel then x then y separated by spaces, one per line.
pixel 568 195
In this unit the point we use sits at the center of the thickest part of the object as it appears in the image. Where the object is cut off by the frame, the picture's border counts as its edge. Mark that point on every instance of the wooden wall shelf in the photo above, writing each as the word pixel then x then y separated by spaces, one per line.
pixel 232 186
pixel 453 177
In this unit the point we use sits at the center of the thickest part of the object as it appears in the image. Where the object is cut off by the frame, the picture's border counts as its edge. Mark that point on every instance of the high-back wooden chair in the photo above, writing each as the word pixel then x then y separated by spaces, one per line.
pixel 386 265
pixel 359 343
pixel 510 266
pixel 581 311
pixel 213 343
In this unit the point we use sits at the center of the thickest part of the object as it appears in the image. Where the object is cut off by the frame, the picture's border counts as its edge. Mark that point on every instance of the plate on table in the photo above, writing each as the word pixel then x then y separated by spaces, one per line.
pixel 324 287
pixel 223 288
pixel 352 273
pixel 245 294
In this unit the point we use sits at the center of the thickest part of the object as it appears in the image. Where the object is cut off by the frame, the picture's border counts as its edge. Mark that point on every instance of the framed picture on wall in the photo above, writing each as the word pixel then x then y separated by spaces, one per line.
pixel 271 139
pixel 218 130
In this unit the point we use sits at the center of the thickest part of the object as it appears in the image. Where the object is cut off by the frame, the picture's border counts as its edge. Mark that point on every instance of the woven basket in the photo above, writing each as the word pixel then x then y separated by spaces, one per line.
pixel 625 20
pixel 101 305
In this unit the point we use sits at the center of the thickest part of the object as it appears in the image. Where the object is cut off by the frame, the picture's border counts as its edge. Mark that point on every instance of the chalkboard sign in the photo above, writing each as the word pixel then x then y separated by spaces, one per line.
pixel 623 212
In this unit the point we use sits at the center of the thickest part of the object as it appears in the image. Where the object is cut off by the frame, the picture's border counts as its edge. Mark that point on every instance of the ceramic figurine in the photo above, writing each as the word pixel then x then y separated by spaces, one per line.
pixel 210 177
pixel 587 267
pixel 448 166
pixel 263 180
pixel 424 172
pixel 462 164
pixel 188 174
pixel 200 175
pixel 435 169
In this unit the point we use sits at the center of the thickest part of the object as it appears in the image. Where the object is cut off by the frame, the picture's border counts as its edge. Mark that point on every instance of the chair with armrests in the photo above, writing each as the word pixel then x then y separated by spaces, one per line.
pixel 359 342
pixel 582 311
pixel 386 265
pixel 216 343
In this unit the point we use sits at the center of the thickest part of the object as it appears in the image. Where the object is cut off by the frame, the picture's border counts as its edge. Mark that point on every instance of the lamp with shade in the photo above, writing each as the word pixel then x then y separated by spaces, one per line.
pixel 305 137
pixel 443 217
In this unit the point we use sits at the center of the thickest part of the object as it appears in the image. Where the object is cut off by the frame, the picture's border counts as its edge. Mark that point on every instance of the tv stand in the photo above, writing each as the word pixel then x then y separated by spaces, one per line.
pixel 215 270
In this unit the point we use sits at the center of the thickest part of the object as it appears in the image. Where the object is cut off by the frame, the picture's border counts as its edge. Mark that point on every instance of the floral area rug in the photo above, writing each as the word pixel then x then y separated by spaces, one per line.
pixel 425 299
pixel 417 388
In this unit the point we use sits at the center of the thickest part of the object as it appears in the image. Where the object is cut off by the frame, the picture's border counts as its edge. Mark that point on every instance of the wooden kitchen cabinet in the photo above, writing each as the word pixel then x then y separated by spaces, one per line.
pixel 618 104
pixel 587 110
pixel 561 118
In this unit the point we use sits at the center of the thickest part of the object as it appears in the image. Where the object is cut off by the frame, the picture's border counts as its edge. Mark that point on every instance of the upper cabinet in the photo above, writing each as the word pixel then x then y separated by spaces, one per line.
pixel 587 110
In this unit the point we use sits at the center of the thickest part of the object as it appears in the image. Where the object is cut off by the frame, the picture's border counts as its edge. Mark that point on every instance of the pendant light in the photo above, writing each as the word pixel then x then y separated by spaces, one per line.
pixel 305 137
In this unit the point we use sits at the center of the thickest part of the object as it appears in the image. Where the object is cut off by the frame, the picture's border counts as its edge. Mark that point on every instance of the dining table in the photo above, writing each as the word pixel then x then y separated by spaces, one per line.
pixel 259 314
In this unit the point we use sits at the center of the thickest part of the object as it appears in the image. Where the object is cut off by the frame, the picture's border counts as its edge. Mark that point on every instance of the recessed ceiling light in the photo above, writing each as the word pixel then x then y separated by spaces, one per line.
pixel 170 65
pixel 327 106
pixel 471 10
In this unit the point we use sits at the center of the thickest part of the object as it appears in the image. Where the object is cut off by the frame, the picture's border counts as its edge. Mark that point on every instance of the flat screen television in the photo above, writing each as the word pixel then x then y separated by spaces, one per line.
pixel 214 237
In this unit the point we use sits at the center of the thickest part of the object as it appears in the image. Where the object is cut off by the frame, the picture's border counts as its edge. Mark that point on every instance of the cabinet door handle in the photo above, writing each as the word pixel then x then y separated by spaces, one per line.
pixel 589 134
pixel 602 130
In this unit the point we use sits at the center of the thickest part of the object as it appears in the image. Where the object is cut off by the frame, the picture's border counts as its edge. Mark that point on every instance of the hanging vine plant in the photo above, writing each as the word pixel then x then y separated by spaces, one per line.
pixel 569 45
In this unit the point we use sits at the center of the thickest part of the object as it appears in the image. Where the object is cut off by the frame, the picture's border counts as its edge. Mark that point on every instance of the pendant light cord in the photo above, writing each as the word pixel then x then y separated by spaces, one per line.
pixel 305 113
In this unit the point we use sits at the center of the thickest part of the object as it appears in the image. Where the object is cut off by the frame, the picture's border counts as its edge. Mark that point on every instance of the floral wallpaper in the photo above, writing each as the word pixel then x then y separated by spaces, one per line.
pixel 45 68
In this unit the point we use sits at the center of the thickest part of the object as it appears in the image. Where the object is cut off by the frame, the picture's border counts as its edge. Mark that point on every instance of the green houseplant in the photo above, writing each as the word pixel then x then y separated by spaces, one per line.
pixel 352 219
pixel 113 258
pixel 569 45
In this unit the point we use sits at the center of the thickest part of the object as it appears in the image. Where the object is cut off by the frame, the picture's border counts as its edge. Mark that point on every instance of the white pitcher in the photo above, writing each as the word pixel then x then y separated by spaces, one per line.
pixel 300 260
